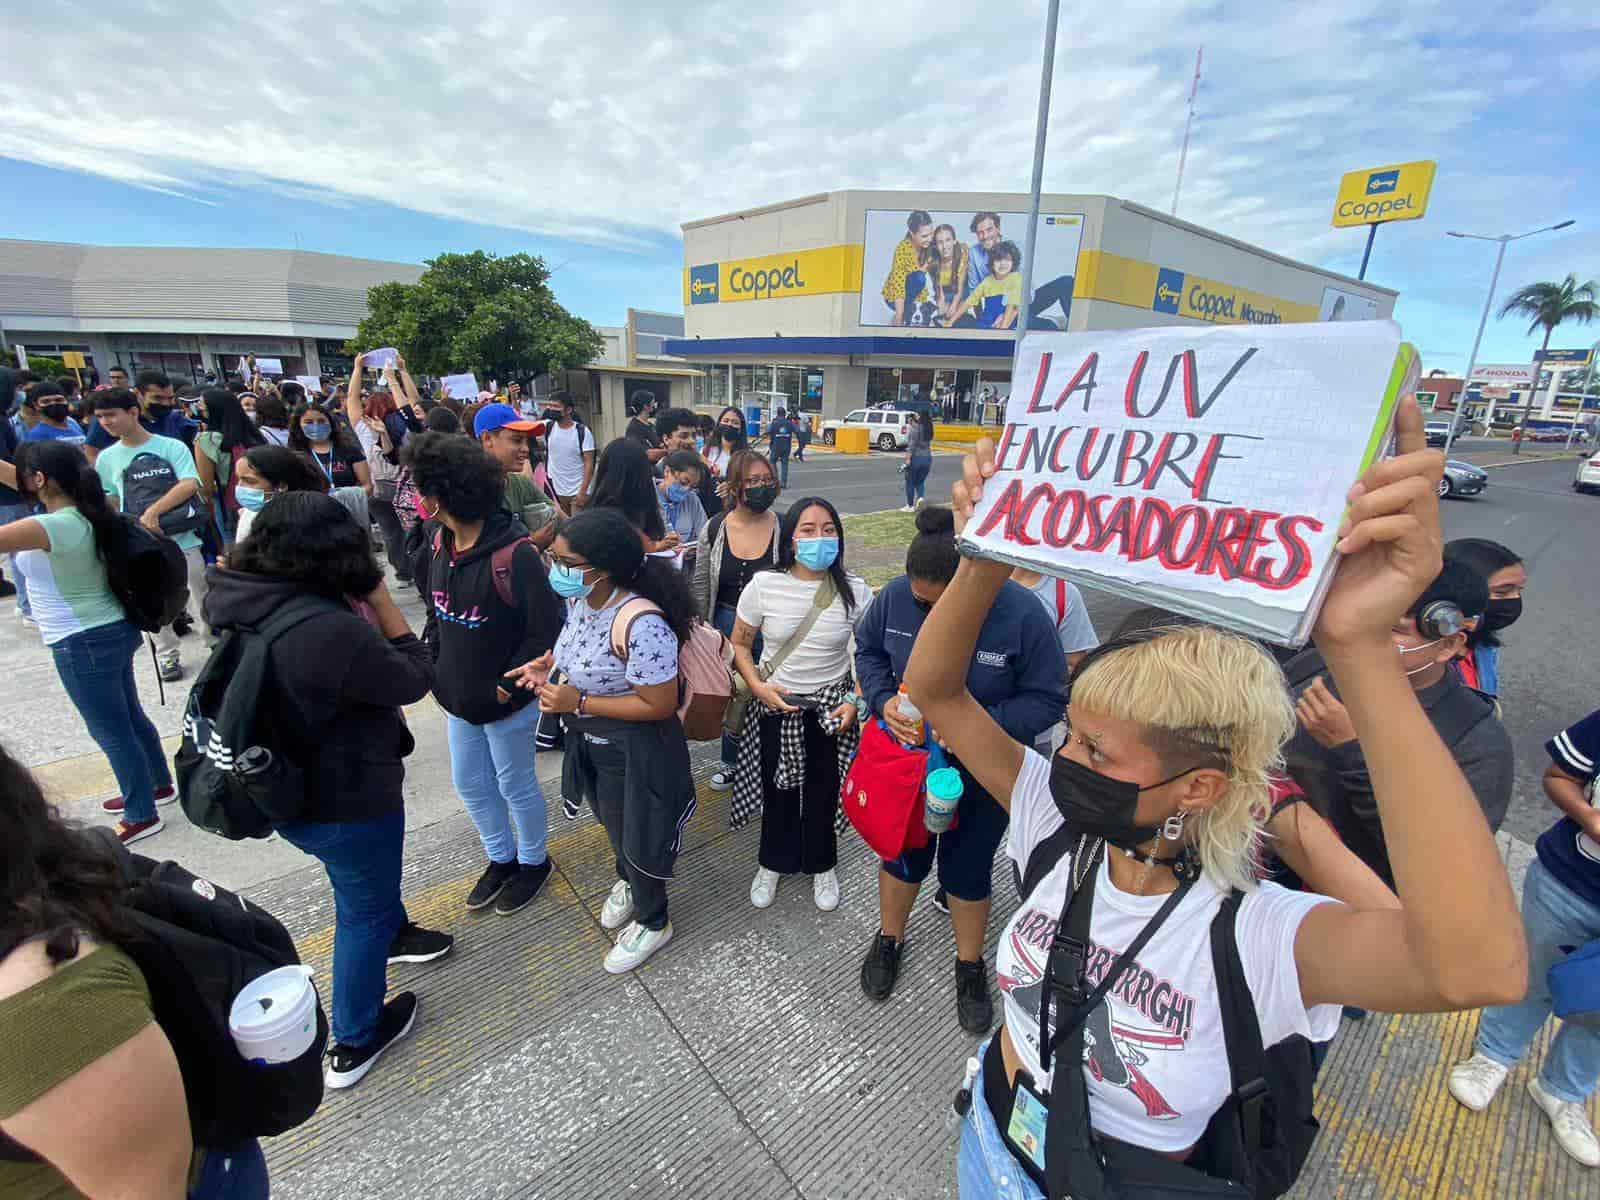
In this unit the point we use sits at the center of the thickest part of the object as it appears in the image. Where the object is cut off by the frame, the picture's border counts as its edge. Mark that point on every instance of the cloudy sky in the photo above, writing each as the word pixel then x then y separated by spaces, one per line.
pixel 587 132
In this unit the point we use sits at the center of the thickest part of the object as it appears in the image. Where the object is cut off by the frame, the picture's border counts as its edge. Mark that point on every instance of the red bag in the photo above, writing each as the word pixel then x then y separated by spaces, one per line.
pixel 882 793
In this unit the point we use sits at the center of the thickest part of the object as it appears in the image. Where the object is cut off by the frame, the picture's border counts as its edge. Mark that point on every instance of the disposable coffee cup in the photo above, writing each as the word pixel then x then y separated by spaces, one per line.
pixel 943 796
pixel 274 1017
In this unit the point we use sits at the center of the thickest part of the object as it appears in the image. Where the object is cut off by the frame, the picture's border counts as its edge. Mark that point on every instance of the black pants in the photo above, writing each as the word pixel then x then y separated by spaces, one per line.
pixel 394 536
pixel 649 893
pixel 797 823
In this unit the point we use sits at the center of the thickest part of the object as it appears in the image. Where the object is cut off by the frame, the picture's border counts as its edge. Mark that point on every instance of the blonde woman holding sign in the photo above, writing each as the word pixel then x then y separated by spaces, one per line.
pixel 1142 831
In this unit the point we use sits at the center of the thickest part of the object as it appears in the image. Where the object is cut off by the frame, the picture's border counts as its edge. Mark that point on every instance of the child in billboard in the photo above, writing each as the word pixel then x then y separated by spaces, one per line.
pixel 996 301
pixel 951 262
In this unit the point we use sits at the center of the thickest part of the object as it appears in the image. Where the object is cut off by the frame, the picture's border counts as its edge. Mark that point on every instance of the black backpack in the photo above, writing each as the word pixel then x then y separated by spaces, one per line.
pixel 149 576
pixel 235 775
pixel 146 479
pixel 197 945
pixel 1257 1142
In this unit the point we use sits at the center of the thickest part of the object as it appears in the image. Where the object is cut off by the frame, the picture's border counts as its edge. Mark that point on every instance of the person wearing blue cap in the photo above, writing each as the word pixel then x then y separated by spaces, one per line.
pixel 504 432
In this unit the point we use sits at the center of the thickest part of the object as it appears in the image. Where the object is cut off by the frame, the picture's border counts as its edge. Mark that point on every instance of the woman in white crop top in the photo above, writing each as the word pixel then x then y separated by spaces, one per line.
pixel 1172 738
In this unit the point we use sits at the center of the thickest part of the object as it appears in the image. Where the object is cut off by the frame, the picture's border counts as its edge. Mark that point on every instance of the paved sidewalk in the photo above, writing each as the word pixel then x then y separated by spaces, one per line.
pixel 743 1061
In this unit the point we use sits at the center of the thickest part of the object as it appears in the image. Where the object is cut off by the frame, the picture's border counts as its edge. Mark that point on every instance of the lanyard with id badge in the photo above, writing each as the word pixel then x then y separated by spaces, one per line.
pixel 1032 1122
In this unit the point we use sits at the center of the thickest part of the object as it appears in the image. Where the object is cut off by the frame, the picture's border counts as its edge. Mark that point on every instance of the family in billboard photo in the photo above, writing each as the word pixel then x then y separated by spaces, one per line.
pixel 934 278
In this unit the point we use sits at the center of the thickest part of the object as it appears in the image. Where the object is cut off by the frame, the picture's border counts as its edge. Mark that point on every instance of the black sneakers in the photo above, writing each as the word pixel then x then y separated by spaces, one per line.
pixel 490 884
pixel 881 967
pixel 522 887
pixel 414 944
pixel 347 1065
pixel 974 1009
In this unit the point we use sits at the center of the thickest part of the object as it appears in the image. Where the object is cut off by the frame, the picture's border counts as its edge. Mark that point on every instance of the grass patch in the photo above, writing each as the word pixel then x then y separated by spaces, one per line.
pixel 893 528
pixel 877 576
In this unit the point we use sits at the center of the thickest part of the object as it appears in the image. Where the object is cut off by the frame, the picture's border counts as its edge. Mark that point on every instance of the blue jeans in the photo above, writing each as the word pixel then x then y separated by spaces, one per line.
pixel 917 478
pixel 723 618
pixel 492 768
pixel 96 668
pixel 985 1168
pixel 1552 916
pixel 362 859
pixel 239 1174
pixel 8 514
pixel 780 464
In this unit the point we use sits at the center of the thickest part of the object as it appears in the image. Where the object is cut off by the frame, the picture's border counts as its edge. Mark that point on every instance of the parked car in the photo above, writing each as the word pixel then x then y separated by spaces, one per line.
pixel 1588 477
pixel 1461 479
pixel 1437 432
pixel 887 429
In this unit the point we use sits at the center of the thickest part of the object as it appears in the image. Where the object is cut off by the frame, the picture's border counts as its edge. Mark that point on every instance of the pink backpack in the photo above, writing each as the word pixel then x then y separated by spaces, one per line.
pixel 705 670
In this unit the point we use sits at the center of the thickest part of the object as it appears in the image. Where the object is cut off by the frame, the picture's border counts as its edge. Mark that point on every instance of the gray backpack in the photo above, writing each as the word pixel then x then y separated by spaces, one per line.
pixel 147 478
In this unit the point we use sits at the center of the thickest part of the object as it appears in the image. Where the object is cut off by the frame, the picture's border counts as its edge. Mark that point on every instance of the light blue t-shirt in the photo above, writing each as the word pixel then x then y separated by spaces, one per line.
pixel 114 460
pixel 67 583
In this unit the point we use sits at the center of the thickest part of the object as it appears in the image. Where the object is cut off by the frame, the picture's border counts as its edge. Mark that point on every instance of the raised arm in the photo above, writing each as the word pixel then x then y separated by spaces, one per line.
pixel 1456 942
pixel 352 395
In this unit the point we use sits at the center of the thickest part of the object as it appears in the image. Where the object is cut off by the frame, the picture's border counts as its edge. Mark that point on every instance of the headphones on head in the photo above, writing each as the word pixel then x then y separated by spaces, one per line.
pixel 1440 618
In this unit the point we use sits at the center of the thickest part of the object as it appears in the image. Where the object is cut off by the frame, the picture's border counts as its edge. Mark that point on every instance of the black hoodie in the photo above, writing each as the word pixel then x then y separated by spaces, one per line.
pixel 337 684
pixel 479 636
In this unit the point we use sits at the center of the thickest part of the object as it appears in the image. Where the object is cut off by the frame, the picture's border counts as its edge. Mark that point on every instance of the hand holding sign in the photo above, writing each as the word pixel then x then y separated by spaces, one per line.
pixel 376 360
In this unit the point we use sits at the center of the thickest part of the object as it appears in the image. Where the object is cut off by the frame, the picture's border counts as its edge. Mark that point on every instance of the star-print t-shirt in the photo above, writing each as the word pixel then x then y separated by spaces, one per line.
pixel 1154 1053
pixel 583 651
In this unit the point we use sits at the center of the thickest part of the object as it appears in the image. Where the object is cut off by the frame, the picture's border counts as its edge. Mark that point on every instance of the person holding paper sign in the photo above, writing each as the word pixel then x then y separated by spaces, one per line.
pixel 1146 825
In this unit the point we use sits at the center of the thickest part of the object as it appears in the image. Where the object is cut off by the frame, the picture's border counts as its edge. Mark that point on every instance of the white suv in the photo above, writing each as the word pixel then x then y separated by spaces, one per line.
pixel 887 429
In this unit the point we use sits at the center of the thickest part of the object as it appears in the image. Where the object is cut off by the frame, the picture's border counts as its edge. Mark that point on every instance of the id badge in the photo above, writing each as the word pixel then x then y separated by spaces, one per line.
pixel 1025 1131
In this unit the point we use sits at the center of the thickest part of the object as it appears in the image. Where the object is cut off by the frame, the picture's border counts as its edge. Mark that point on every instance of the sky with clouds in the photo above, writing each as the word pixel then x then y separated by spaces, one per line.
pixel 587 132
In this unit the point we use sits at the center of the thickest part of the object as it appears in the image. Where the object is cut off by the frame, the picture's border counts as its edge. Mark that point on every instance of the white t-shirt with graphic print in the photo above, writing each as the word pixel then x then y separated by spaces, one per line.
pixel 1154 1054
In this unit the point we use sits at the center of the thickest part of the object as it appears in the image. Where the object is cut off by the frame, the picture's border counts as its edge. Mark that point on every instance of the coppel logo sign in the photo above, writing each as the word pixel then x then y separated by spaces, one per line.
pixel 1382 181
pixel 1169 291
pixel 703 284
pixel 759 283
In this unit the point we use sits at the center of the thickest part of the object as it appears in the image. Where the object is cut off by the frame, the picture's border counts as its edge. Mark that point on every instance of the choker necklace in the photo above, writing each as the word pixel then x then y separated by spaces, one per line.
pixel 1184 866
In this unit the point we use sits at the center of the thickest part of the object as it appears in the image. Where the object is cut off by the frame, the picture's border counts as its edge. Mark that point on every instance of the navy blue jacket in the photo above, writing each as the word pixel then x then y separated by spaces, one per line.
pixel 1018 672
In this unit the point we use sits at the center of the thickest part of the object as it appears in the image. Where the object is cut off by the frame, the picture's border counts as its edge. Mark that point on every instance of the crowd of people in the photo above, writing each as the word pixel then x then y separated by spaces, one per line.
pixel 1197 825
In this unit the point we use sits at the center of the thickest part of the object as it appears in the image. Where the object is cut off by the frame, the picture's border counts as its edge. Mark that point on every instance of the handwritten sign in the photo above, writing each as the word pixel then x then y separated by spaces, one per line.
pixel 1199 469
pixel 311 383
pixel 460 387
pixel 377 360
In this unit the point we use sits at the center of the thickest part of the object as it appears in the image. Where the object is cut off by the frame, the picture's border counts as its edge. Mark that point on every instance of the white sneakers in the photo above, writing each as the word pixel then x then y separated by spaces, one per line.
pixel 764 889
pixel 1571 1124
pixel 1476 1082
pixel 825 890
pixel 618 906
pixel 635 947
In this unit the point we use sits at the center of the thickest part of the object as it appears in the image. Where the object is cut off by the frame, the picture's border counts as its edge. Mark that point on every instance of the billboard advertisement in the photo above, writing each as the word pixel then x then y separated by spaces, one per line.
pixel 1375 194
pixel 963 270
pixel 1340 305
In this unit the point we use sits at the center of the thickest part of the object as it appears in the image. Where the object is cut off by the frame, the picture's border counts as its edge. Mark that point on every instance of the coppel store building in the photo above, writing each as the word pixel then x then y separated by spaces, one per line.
pixel 831 302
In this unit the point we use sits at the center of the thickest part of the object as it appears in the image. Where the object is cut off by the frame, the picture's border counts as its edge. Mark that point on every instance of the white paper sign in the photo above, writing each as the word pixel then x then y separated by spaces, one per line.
pixel 269 366
pixel 311 383
pixel 460 387
pixel 1202 469
pixel 377 360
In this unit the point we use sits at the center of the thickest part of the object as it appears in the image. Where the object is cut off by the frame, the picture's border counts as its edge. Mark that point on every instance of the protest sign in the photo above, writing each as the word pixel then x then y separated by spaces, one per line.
pixel 311 383
pixel 269 366
pixel 1202 470
pixel 460 387
pixel 377 360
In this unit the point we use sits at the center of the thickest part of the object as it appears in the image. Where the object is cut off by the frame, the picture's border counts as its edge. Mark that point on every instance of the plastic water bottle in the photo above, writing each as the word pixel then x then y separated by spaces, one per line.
pixel 910 713
pixel 963 1101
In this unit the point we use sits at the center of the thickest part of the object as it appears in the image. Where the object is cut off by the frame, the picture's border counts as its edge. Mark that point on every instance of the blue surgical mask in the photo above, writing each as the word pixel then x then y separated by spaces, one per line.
pixel 249 497
pixel 317 431
pixel 677 492
pixel 567 582
pixel 816 553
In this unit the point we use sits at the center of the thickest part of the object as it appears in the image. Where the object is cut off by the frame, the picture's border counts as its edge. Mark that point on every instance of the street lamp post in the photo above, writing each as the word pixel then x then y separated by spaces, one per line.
pixel 1588 382
pixel 1504 240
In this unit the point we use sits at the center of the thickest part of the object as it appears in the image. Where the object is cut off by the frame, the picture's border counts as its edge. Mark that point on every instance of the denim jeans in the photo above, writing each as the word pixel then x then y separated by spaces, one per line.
pixel 723 618
pixel 96 668
pixel 985 1168
pixel 917 478
pixel 492 767
pixel 1552 917
pixel 8 514
pixel 362 859
pixel 780 464
pixel 237 1174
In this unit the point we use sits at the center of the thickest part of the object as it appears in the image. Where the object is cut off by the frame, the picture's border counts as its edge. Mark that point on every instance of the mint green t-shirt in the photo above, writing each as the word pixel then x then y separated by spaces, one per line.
pixel 67 586
pixel 114 460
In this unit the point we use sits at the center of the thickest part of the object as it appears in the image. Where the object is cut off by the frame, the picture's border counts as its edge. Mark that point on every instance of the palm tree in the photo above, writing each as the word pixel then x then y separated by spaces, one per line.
pixel 1547 305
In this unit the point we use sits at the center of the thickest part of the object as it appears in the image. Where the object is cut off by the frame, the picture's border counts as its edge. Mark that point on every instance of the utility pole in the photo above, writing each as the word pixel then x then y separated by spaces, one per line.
pixel 1040 129
pixel 1183 155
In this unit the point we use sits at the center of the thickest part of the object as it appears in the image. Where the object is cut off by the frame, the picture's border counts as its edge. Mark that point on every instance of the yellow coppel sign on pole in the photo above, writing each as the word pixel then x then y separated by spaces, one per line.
pixel 1378 194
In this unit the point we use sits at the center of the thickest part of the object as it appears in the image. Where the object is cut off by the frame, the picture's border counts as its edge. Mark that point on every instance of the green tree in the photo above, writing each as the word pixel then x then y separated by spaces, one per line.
pixel 45 367
pixel 1547 305
pixel 477 312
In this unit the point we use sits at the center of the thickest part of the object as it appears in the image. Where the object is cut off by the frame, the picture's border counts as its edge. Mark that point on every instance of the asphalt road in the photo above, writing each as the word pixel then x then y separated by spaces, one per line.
pixel 1550 668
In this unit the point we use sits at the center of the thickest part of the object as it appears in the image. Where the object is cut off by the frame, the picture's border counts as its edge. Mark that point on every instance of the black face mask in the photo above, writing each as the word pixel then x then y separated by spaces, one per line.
pixel 1099 805
pixel 1500 614
pixel 923 606
pixel 760 498
pixel 158 411
pixel 54 412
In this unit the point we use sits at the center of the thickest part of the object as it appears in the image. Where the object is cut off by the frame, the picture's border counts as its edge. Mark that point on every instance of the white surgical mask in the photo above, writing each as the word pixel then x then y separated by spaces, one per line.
pixel 1404 650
